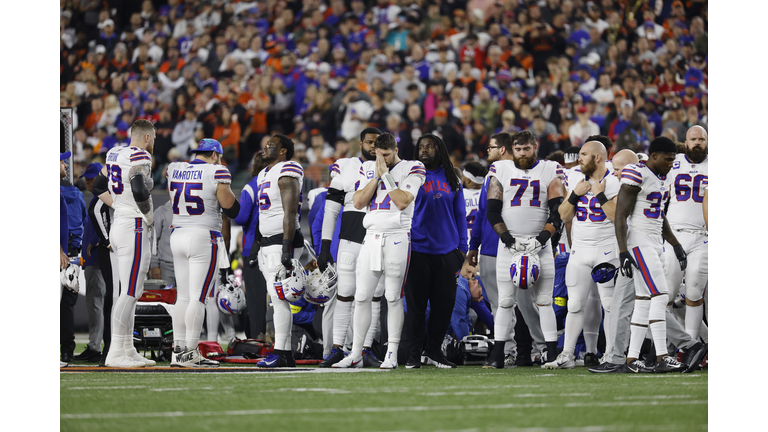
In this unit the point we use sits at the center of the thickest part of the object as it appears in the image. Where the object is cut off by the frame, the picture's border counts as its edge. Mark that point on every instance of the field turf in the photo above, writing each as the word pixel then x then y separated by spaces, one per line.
pixel 311 399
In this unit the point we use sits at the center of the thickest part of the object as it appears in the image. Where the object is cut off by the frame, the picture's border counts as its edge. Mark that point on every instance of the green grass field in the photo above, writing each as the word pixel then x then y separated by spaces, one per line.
pixel 467 398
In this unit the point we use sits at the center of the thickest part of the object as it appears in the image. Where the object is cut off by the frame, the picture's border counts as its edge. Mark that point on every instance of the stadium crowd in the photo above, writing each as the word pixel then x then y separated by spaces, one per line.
pixel 320 72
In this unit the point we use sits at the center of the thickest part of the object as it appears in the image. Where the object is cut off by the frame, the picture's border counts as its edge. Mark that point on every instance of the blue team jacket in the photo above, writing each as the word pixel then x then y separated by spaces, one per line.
pixel 439 217
pixel 482 232
pixel 248 217
pixel 315 217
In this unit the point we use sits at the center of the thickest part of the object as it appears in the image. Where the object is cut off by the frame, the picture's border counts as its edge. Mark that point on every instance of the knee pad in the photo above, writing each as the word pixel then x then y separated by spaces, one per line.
pixel 362 295
pixel 393 296
pixel 544 301
pixel 640 314
pixel 507 302
pixel 658 308
pixel 394 269
pixel 575 305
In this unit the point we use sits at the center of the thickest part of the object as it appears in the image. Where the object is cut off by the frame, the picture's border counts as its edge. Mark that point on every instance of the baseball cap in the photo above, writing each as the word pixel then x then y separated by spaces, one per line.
pixel 381 59
pixel 101 49
pixel 504 75
pixel 627 103
pixel 441 112
pixel 208 144
pixel 65 155
pixel 92 170
pixel 311 66
pixel 314 132
pixel 122 127
pixel 582 109
pixel 107 22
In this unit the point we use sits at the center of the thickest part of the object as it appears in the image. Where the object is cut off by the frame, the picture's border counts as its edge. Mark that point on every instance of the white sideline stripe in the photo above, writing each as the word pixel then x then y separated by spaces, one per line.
pixel 373 409
pixel 611 428
pixel 105 388
pixel 654 397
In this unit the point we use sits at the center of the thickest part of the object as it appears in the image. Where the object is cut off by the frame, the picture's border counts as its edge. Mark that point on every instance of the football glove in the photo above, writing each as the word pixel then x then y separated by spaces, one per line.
pixel 626 261
pixel 285 258
pixel 325 257
pixel 508 240
pixel 531 246
pixel 681 256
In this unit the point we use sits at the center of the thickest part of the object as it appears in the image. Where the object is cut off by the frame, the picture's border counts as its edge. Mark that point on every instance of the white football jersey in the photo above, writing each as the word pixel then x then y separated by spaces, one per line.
pixel 687 181
pixel 192 186
pixel 269 198
pixel 524 205
pixel 472 201
pixel 381 215
pixel 591 226
pixel 345 176
pixel 646 220
pixel 119 162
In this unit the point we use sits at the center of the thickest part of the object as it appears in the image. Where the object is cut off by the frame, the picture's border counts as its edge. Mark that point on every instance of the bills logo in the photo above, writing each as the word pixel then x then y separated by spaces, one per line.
pixel 369 174
pixel 676 165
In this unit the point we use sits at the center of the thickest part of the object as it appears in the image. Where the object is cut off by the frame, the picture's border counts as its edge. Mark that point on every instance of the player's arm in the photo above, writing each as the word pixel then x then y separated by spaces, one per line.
pixel 246 205
pixel 404 194
pixel 289 193
pixel 334 201
pixel 101 187
pixel 401 198
pixel 705 208
pixel 226 231
pixel 138 175
pixel 607 205
pixel 363 197
pixel 227 200
pixel 493 212
pixel 554 224
pixel 625 204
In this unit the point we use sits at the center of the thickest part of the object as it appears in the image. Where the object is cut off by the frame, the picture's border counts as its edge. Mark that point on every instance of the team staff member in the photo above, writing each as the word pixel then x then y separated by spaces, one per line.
pixel 439 245
pixel 161 264
pixel 63 231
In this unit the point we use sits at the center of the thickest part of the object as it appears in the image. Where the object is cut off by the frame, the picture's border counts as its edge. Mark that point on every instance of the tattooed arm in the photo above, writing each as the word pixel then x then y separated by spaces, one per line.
pixel 139 175
pixel 493 212
pixel 289 193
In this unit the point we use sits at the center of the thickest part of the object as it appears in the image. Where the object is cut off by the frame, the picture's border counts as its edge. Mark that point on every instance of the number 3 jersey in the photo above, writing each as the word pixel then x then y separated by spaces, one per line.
pixel 687 181
pixel 270 199
pixel 524 203
pixel 192 186
pixel 591 226
pixel 646 220
pixel 119 162
pixel 383 215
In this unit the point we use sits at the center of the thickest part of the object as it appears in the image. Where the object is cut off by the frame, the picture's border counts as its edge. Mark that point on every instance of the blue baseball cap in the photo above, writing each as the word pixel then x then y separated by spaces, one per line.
pixel 65 155
pixel 208 144
pixel 92 170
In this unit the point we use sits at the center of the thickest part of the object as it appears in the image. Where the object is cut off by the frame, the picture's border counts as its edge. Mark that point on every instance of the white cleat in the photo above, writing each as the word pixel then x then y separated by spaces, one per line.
pixel 564 360
pixel 349 362
pixel 192 359
pixel 138 357
pixel 390 361
pixel 63 364
pixel 118 359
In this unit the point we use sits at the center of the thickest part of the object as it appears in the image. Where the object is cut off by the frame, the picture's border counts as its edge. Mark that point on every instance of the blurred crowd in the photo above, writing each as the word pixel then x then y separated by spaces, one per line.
pixel 322 70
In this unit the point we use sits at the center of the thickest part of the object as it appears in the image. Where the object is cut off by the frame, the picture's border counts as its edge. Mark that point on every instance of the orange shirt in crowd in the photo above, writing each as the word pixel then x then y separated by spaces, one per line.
pixel 91 121
pixel 228 135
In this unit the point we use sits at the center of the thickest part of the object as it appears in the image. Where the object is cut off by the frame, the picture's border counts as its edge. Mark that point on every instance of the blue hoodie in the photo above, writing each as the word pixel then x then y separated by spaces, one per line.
pixel 482 231
pixel 439 217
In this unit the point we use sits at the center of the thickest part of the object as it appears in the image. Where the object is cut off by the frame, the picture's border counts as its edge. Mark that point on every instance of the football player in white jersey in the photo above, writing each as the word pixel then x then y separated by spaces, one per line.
pixel 279 195
pixel 199 191
pixel 686 218
pixel 644 189
pixel 125 184
pixel 388 188
pixel 345 180
pixel 472 178
pixel 592 194
pixel 523 197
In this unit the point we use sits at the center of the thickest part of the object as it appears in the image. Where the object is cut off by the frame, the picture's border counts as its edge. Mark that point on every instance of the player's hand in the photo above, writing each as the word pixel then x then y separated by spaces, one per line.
pixel 531 246
pixel 627 262
pixel 582 188
pixel 88 250
pixel 224 275
pixel 154 273
pixel 472 258
pixel 468 271
pixel 381 166
pixel 285 260
pixel 508 240
pixel 681 256
pixel 63 260
pixel 325 257
pixel 149 218
pixel 598 187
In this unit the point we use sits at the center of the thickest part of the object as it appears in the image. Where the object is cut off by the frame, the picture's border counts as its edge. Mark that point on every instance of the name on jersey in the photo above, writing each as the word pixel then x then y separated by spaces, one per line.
pixel 472 202
pixel 112 157
pixel 187 175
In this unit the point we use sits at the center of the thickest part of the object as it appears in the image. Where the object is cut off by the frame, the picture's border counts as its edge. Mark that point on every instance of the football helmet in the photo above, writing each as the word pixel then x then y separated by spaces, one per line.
pixel 70 277
pixel 290 284
pixel 230 298
pixel 524 269
pixel 605 272
pixel 321 287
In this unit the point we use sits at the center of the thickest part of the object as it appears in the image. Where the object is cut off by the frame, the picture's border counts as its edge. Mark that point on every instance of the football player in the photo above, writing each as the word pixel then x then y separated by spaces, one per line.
pixel 388 188
pixel 200 191
pixel 523 197
pixel 124 184
pixel 592 194
pixel 345 176
pixel 279 196
pixel 686 219
pixel 644 189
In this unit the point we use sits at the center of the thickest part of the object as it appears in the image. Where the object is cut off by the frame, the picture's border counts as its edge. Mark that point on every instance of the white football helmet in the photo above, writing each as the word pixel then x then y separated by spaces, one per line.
pixel 290 286
pixel 524 270
pixel 321 287
pixel 230 298
pixel 70 277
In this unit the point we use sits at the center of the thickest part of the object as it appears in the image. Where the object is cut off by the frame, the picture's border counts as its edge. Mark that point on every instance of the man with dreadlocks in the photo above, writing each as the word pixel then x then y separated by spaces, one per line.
pixel 439 236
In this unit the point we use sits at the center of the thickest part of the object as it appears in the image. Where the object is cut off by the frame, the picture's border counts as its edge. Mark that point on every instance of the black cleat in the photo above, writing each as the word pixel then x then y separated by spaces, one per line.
pixel 605 368
pixel 496 359
pixel 67 358
pixel 637 366
pixel 669 364
pixel 336 355
pixel 591 360
pixel 414 362
pixel 88 355
pixel 274 360
pixel 693 356
pixel 370 360
pixel 439 360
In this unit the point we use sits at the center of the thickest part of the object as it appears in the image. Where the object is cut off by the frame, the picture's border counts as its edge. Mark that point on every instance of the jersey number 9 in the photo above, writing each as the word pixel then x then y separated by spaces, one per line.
pixel 116 178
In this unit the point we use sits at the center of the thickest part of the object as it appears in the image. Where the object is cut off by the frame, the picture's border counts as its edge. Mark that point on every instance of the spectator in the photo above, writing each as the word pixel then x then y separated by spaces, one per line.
pixel 379 116
pixel 508 123
pixel 637 136
pixel 675 121
pixel 582 129
pixel 227 132
pixel 546 135
pixel 604 94
pixel 320 151
pixel 486 109
pixel 620 123
pixel 97 111
pixel 409 77
pixel 184 133
pixel 692 118
pixel 355 113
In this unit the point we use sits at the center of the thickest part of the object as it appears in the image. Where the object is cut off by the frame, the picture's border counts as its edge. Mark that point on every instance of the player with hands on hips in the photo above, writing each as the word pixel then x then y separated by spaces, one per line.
pixel 644 190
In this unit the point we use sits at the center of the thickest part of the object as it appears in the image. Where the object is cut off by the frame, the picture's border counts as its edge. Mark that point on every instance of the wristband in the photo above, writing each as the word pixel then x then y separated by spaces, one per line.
pixel 543 237
pixel 602 198
pixel 573 199
pixel 287 245
pixel 389 182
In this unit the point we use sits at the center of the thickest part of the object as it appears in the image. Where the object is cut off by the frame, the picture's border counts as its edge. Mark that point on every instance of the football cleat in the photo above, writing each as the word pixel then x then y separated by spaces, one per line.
pixel 591 359
pixel 564 360
pixel 192 359
pixel 390 361
pixel 63 364
pixel 117 359
pixel 370 360
pixel 605 367
pixel 694 356
pixel 638 366
pixel 439 360
pixel 273 360
pixel 496 359
pixel 132 353
pixel 349 362
pixel 539 358
pixel 669 364
pixel 336 355
pixel 414 362
pixel 510 361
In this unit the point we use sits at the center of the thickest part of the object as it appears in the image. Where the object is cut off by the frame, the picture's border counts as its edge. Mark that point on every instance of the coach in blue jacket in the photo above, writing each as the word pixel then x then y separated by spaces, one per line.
pixel 438 248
